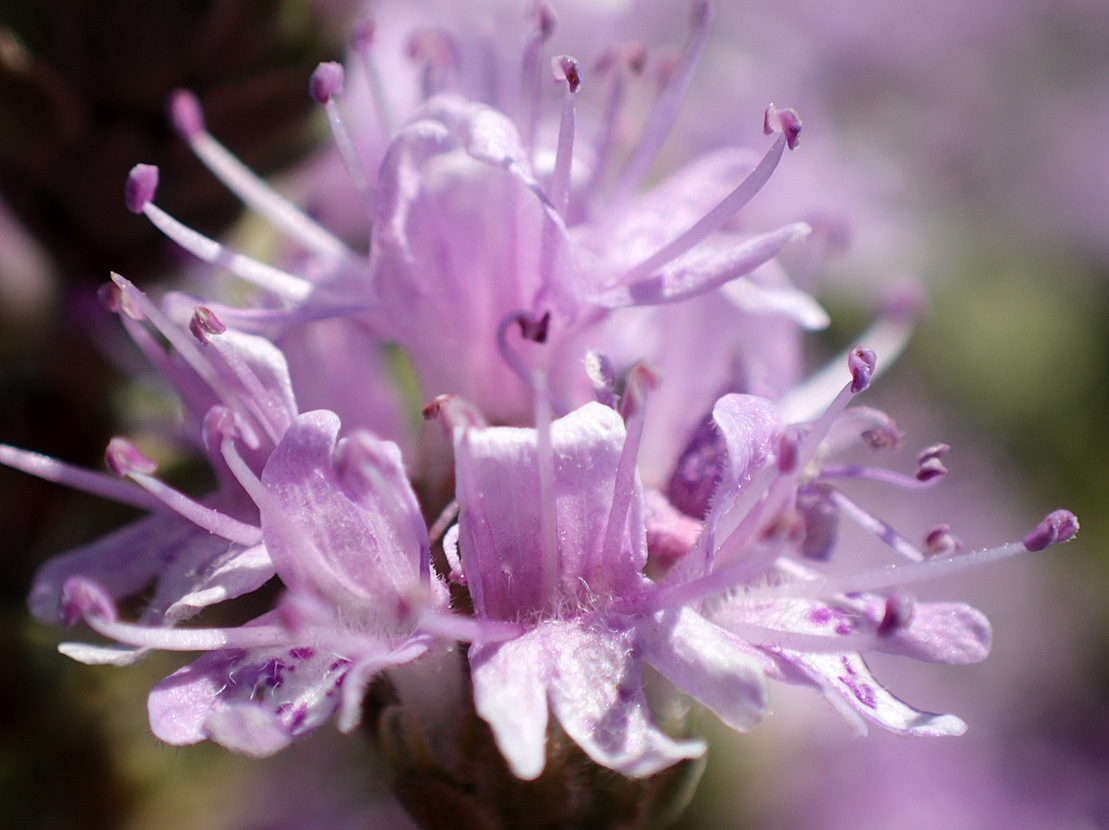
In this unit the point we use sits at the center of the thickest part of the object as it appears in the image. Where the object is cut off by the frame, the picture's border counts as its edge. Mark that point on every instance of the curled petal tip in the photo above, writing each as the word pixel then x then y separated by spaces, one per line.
pixel 566 68
pixel 123 458
pixel 81 598
pixel 861 362
pixel 185 114
pixel 326 81
pixel 1057 527
pixel 783 120
pixel 142 181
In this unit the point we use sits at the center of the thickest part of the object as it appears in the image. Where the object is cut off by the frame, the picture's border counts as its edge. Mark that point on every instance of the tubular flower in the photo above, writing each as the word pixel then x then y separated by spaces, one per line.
pixel 528 286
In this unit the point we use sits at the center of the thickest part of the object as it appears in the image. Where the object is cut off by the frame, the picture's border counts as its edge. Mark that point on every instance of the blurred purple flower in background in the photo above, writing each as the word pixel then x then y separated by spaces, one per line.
pixel 640 491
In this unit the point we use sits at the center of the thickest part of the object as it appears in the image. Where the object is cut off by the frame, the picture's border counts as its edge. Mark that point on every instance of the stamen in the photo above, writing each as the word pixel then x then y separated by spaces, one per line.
pixel 268 412
pixel 186 347
pixel 436 50
pixel 77 478
pixel 139 192
pixel 565 69
pixel 205 323
pixel 548 515
pixel 887 338
pixel 545 23
pixel 325 84
pixel 764 514
pixel 715 218
pixel 929 467
pixel 82 598
pixel 641 379
pixel 923 480
pixel 125 461
pixel 454 413
pixel 876 526
pixel 615 60
pixel 940 541
pixel 665 111
pixel 1057 527
pixel 899 613
pixel 361 40
pixel 188 120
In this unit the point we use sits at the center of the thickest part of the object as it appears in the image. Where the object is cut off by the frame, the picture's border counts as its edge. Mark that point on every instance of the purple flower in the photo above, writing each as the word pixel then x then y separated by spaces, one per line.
pixel 551 535
pixel 520 282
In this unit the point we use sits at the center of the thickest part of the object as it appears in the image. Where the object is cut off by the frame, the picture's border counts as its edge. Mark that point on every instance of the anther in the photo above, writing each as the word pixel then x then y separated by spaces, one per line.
pixel 940 541
pixel 861 362
pixel 123 458
pixel 899 612
pixel 563 66
pixel 784 120
pixel 139 189
pixel 1057 527
pixel 326 81
pixel 205 323
pixel 185 114
pixel 929 465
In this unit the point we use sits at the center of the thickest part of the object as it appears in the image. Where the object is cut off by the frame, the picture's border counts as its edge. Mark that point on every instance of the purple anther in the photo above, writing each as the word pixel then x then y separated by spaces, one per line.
pixel 783 120
pixel 185 114
pixel 940 541
pixel 221 422
pixel 362 35
pixel 861 362
pixel 80 597
pixel 789 450
pixel 142 181
pixel 533 329
pixel 565 67
pixel 124 458
pixel 326 80
pixel 546 21
pixel 899 612
pixel 1057 527
pixel 205 323
pixel 929 467
pixel 819 521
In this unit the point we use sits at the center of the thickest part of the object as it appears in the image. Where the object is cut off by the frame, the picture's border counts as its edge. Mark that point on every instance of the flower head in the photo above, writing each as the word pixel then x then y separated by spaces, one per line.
pixel 528 287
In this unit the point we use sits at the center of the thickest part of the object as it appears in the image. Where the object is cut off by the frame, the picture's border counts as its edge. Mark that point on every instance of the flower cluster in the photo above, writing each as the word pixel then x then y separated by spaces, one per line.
pixel 634 474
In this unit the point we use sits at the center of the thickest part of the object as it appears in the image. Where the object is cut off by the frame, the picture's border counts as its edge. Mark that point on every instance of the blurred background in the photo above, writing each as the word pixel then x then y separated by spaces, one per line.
pixel 960 141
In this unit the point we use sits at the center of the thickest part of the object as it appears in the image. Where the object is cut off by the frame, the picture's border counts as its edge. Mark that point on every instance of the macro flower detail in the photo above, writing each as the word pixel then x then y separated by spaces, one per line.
pixel 640 496
pixel 561 561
